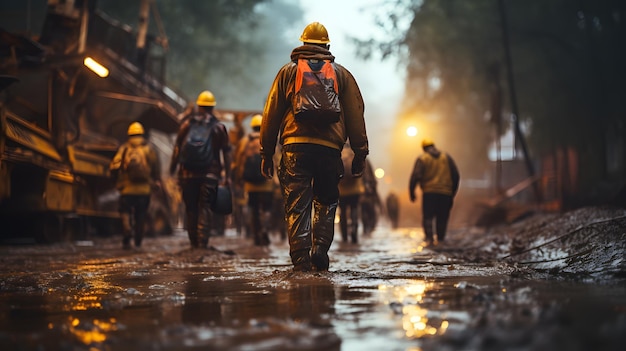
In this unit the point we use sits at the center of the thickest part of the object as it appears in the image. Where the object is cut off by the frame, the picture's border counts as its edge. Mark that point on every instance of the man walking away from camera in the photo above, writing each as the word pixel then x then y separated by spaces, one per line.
pixel 259 190
pixel 438 176
pixel 313 128
pixel 201 153
pixel 136 169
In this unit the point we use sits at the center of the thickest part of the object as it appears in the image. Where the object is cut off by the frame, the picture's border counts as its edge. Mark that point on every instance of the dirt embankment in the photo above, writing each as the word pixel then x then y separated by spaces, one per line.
pixel 586 241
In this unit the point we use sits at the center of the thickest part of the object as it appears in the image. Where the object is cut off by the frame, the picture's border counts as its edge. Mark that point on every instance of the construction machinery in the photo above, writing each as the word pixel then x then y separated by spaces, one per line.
pixel 67 97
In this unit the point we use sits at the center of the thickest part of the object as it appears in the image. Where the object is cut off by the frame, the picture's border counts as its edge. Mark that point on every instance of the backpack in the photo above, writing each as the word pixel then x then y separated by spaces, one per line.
pixel 316 98
pixel 196 151
pixel 252 163
pixel 135 164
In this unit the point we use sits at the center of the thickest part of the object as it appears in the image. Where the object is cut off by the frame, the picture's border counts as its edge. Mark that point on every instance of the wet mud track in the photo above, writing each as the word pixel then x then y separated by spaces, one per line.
pixel 388 292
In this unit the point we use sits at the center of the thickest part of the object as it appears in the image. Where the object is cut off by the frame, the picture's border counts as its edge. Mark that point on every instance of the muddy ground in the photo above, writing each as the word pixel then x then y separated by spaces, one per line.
pixel 548 282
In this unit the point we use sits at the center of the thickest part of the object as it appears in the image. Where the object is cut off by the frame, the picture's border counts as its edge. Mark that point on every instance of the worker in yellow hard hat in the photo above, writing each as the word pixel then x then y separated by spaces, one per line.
pixel 312 137
pixel 437 175
pixel 258 189
pixel 136 169
pixel 201 155
pixel 205 99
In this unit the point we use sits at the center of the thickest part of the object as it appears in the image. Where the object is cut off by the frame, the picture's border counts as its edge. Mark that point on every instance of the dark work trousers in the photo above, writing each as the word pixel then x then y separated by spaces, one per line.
pixel 349 217
pixel 133 210
pixel 309 177
pixel 198 195
pixel 435 207
pixel 369 216
pixel 260 205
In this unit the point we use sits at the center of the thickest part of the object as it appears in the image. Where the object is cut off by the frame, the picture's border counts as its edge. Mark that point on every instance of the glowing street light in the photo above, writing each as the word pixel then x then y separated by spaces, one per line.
pixel 411 131
pixel 379 173
pixel 96 67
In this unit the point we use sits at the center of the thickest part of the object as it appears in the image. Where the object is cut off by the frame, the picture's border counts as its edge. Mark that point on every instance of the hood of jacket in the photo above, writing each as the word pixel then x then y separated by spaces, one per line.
pixel 137 140
pixel 311 52
pixel 432 151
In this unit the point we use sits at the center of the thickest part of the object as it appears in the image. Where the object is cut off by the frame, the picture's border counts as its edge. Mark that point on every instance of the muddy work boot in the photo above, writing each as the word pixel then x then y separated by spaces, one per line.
pixel 127 229
pixel 428 231
pixel 126 243
pixel 203 243
pixel 301 261
pixel 323 232
pixel 319 258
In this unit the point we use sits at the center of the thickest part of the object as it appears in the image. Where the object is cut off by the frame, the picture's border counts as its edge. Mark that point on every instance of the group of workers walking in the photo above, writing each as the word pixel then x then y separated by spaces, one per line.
pixel 310 142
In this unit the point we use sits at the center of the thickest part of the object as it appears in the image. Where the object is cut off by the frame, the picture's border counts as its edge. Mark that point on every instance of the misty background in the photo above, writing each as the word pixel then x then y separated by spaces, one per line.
pixel 441 66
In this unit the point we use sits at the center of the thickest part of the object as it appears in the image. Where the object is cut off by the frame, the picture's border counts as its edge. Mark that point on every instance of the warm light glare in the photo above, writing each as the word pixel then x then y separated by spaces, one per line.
pixel 98 69
pixel 411 131
pixel 415 319
pixel 379 173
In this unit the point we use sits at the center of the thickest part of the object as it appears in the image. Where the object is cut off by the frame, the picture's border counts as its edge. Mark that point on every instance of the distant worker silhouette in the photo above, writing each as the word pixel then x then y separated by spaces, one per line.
pixel 371 206
pixel 438 177
pixel 137 170
pixel 351 190
pixel 259 190
pixel 393 209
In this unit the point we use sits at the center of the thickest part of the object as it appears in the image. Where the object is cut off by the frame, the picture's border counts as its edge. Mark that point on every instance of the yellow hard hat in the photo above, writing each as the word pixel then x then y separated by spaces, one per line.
pixel 315 33
pixel 135 128
pixel 256 121
pixel 206 98
pixel 427 142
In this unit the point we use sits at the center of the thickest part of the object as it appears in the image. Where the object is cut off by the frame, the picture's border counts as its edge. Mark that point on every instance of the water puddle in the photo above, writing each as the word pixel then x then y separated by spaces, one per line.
pixel 389 292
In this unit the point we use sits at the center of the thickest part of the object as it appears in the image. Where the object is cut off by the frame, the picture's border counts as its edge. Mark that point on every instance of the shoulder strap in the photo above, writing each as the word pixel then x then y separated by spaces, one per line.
pixel 124 152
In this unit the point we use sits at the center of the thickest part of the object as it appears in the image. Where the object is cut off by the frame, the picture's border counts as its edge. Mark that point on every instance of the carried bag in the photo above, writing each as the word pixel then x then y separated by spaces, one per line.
pixel 135 164
pixel 196 151
pixel 316 95
pixel 223 203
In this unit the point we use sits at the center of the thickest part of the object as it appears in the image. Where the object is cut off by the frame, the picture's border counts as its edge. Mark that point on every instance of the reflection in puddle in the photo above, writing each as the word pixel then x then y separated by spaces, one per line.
pixel 92 332
pixel 405 300
pixel 84 303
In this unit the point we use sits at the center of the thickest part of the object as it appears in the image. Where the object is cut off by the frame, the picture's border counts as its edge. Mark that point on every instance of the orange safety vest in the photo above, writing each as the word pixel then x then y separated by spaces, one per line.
pixel 327 72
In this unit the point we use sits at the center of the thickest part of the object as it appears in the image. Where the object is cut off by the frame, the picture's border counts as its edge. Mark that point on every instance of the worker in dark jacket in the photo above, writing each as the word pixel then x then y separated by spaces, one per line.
pixel 198 174
pixel 438 176
pixel 258 189
pixel 136 169
pixel 310 166
pixel 351 190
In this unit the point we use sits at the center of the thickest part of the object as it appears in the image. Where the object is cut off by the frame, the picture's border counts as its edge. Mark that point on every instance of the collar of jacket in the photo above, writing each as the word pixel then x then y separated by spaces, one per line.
pixel 254 135
pixel 203 116
pixel 311 52
pixel 433 152
pixel 136 140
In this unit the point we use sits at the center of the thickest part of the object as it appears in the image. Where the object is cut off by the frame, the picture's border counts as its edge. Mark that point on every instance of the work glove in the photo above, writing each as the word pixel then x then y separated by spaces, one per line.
pixel 226 182
pixel 358 166
pixel 267 167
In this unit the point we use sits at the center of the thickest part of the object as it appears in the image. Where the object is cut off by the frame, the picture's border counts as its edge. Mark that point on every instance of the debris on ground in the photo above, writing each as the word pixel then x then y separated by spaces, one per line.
pixel 587 241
